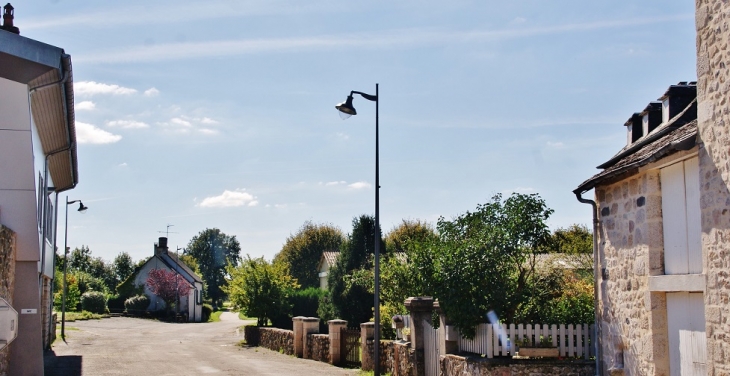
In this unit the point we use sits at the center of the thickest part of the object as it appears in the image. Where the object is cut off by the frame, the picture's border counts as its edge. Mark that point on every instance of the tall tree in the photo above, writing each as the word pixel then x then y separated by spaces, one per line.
pixel 350 300
pixel 213 250
pixel 302 251
pixel 576 239
pixel 80 259
pixel 407 232
pixel 260 289
pixel 123 266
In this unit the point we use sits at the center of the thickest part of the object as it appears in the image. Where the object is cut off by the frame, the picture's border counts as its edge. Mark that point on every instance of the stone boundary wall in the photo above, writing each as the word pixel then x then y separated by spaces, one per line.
pixel 318 347
pixel 460 365
pixel 251 335
pixel 280 340
pixel 396 358
pixel 7 280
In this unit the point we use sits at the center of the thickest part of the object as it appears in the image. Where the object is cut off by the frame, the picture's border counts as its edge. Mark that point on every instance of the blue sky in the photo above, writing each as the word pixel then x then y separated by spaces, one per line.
pixel 221 113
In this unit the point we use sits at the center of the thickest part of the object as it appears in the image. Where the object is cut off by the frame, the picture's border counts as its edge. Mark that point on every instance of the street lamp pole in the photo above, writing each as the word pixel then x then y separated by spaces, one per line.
pixel 81 209
pixel 346 110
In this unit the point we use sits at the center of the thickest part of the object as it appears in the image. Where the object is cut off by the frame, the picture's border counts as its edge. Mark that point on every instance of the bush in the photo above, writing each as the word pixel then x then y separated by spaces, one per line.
pixel 207 311
pixel 137 304
pixel 304 303
pixel 115 303
pixel 94 302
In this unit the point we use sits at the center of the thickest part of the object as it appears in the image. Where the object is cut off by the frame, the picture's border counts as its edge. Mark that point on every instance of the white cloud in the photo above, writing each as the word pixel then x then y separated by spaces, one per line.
pixel 280 206
pixel 89 134
pixel 518 20
pixel 123 164
pixel 127 124
pixel 85 106
pixel 555 145
pixel 207 120
pixel 151 92
pixel 343 136
pixel 229 199
pixel 331 183
pixel 181 122
pixel 90 88
pixel 207 131
pixel 360 185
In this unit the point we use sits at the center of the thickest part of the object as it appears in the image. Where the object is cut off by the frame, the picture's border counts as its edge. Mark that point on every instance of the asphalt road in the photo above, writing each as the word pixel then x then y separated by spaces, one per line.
pixel 128 346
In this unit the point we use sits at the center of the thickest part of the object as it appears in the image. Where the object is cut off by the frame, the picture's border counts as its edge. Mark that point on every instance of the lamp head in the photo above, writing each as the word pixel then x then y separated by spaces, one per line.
pixel 82 208
pixel 346 109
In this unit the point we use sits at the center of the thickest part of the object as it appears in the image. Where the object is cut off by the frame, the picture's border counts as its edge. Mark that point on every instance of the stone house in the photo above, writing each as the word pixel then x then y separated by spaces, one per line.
pixel 192 304
pixel 662 229
pixel 38 150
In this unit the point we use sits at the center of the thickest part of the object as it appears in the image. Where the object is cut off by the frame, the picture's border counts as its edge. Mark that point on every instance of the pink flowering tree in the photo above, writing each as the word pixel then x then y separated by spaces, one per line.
pixel 168 285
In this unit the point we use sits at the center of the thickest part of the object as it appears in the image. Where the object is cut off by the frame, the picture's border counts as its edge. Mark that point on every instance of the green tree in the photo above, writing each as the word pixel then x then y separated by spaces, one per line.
pixel 350 300
pixel 407 232
pixel 302 251
pixel 123 266
pixel 484 260
pixel 80 259
pixel 259 289
pixel 213 250
pixel 576 239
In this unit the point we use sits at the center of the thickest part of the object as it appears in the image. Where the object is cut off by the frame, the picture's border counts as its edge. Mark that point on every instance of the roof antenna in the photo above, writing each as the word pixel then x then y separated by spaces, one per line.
pixel 167 231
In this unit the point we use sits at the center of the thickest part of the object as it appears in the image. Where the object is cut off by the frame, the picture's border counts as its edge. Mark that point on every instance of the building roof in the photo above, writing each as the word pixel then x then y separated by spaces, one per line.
pixel 48 73
pixel 174 263
pixel 669 138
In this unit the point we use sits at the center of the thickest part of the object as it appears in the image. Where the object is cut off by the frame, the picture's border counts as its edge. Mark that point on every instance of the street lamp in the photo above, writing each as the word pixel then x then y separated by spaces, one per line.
pixel 81 209
pixel 346 110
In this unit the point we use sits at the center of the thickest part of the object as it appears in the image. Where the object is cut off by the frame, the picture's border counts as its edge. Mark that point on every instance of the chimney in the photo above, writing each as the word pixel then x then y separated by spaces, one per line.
pixel 676 99
pixel 634 128
pixel 651 117
pixel 161 246
pixel 8 15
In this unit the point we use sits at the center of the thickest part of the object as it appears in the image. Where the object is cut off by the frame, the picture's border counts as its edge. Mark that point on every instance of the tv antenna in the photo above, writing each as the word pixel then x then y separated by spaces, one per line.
pixel 167 231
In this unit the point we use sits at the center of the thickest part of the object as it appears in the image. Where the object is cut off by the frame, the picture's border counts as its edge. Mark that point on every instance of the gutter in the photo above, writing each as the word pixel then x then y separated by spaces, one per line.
pixel 596 225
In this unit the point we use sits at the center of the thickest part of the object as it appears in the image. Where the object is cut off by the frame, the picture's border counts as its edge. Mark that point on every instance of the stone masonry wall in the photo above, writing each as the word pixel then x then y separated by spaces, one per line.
pixel 633 320
pixel 454 365
pixel 277 339
pixel 7 280
pixel 396 358
pixel 713 119
pixel 318 347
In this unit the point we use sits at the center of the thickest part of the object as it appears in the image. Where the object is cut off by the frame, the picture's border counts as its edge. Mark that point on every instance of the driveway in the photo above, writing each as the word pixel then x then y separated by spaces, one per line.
pixel 128 346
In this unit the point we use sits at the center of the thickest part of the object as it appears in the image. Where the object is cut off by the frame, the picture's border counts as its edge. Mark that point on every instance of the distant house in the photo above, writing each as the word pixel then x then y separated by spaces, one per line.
pixel 38 161
pixel 163 259
pixel 653 290
pixel 326 262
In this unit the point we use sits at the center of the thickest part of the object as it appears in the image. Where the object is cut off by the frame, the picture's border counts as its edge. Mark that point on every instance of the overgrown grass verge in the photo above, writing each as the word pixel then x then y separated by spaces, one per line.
pixel 215 316
pixel 83 315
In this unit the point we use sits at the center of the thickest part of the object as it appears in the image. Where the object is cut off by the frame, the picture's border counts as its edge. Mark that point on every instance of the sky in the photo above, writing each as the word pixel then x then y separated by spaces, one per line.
pixel 220 114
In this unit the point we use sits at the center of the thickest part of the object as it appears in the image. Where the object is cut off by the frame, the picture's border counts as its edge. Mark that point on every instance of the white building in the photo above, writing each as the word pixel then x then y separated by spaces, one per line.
pixel 163 259
pixel 37 162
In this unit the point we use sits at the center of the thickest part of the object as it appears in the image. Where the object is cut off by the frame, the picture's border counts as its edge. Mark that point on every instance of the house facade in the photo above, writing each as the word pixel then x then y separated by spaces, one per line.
pixel 38 154
pixel 192 304
pixel 662 228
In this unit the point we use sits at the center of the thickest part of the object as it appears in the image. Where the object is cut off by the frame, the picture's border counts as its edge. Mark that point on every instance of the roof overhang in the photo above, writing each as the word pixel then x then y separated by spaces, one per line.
pixel 48 73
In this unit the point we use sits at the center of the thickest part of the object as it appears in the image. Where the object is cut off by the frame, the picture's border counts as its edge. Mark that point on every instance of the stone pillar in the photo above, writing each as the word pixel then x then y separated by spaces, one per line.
pixel 420 309
pixel 298 338
pixel 335 329
pixel 310 325
pixel 367 335
pixel 450 344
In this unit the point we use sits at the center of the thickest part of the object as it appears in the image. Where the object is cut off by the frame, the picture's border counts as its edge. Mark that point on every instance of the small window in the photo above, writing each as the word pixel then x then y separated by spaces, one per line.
pixel 665 111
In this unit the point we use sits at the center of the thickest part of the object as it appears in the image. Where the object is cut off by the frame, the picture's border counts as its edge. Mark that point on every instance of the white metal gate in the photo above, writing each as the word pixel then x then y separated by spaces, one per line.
pixel 431 341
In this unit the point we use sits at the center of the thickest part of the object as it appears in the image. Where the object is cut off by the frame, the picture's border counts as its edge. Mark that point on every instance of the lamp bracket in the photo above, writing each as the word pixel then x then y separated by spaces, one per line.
pixel 369 97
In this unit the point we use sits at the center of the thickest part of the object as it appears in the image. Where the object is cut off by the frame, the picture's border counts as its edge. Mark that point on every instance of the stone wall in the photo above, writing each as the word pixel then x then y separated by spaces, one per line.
pixel 396 358
pixel 633 320
pixel 280 340
pixel 454 365
pixel 7 280
pixel 318 347
pixel 252 335
pixel 713 119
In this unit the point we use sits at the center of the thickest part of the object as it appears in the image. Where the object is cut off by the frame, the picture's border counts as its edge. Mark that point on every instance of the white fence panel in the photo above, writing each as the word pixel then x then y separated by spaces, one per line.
pixel 574 341
pixel 431 341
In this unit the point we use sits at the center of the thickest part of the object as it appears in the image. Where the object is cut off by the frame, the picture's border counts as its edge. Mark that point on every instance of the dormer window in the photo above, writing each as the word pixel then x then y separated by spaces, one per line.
pixel 645 124
pixel 665 111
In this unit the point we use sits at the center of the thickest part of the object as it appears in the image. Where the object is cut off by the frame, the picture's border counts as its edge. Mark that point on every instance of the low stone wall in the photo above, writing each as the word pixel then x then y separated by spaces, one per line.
pixel 7 280
pixel 396 358
pixel 454 365
pixel 318 347
pixel 251 335
pixel 280 340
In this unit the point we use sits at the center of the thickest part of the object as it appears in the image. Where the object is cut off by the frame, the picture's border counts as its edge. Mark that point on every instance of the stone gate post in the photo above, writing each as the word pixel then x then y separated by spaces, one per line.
pixel 420 309
pixel 310 325
pixel 367 336
pixel 335 329
pixel 450 343
pixel 298 338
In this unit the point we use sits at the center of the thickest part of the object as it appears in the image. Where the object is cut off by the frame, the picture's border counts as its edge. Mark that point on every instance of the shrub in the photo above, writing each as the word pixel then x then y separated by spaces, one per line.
pixel 93 301
pixel 207 311
pixel 116 303
pixel 137 304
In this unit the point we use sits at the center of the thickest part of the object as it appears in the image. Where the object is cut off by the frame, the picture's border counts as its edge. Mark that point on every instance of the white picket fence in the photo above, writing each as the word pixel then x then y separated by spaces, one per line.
pixel 572 340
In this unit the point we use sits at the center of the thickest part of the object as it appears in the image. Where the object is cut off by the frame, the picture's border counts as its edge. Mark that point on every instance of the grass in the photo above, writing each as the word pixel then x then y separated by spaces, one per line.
pixel 244 318
pixel 83 315
pixel 215 316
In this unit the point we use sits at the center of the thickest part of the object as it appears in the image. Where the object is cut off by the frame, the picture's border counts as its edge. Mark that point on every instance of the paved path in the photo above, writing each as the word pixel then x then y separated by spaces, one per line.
pixel 128 346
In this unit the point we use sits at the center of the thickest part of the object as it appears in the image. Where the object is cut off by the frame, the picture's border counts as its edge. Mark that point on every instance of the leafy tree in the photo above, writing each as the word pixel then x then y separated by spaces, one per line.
pixel 260 289
pixel 409 231
pixel 167 285
pixel 350 300
pixel 123 266
pixel 80 259
pixel 576 239
pixel 213 250
pixel 484 260
pixel 302 251
pixel 191 262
